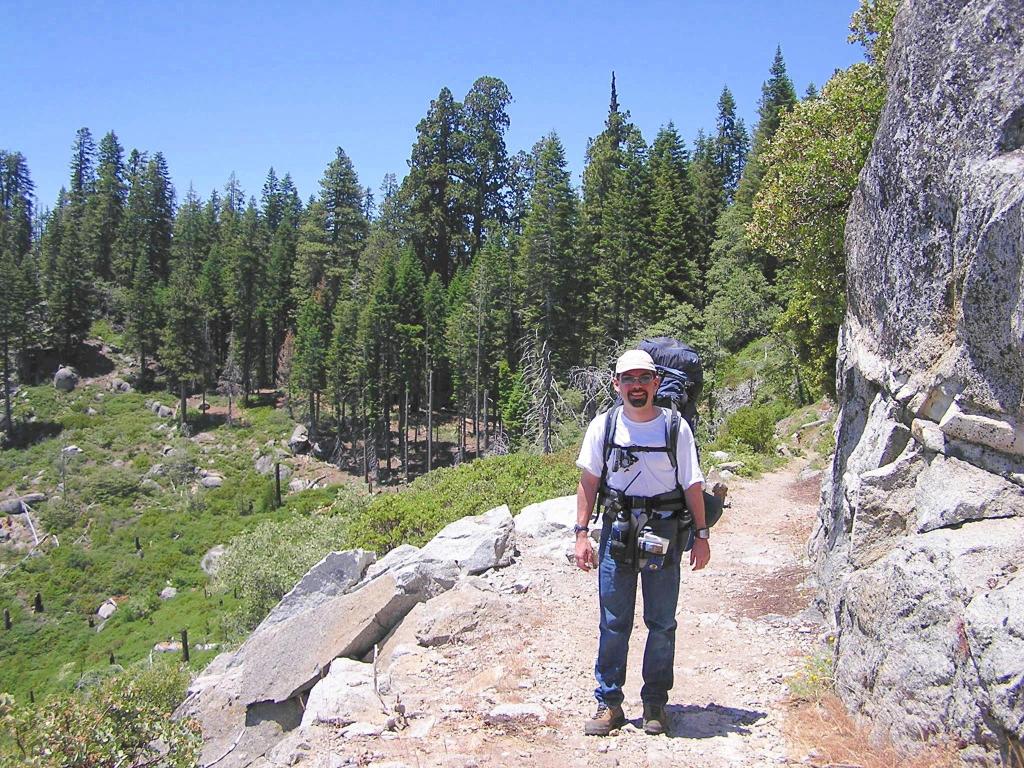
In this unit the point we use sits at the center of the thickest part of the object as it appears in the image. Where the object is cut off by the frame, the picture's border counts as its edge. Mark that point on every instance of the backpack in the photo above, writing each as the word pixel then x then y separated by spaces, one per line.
pixel 682 376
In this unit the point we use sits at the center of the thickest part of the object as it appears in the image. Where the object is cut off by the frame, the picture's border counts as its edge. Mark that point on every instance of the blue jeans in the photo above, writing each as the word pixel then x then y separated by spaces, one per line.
pixel 617 587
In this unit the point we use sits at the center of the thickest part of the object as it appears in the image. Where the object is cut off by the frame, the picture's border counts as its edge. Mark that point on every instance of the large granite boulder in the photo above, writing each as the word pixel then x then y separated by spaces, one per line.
pixel 316 639
pixel 922 518
pixel 65 379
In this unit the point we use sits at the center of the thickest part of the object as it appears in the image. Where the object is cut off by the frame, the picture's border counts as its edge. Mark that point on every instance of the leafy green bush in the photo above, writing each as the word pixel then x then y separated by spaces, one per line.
pixel 121 721
pixel 445 495
pixel 264 563
pixel 752 426
pixel 141 606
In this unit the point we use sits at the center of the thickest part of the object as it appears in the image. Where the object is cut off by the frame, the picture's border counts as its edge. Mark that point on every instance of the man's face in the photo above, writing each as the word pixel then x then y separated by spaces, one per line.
pixel 637 387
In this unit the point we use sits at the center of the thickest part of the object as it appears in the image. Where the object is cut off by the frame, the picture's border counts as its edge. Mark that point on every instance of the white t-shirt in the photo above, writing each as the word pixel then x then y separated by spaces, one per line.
pixel 652 473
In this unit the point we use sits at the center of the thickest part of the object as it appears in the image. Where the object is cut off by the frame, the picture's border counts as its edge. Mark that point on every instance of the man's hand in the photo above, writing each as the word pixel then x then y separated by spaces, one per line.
pixel 585 557
pixel 700 554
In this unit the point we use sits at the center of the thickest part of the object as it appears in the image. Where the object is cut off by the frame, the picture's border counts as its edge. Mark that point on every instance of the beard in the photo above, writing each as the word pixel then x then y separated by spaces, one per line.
pixel 637 399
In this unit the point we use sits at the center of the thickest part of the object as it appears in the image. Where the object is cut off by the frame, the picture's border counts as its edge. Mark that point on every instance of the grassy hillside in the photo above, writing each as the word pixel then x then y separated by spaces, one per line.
pixel 101 501
pixel 136 479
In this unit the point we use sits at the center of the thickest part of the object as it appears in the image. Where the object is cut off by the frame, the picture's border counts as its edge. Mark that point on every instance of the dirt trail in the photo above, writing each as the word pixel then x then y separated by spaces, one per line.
pixel 744 626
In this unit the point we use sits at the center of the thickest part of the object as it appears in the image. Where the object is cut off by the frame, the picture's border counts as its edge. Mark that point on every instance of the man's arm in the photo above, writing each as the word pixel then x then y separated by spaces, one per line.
pixel 700 553
pixel 586 496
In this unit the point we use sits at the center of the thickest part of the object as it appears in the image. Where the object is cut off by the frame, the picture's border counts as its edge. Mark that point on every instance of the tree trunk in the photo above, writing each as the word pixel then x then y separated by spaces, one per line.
pixel 487 433
pixel 405 436
pixel 546 406
pixel 183 405
pixel 430 420
pixel 8 412
pixel 312 415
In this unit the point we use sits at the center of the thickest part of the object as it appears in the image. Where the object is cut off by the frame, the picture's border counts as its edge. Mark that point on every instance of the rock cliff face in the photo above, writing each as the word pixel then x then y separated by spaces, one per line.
pixel 921 529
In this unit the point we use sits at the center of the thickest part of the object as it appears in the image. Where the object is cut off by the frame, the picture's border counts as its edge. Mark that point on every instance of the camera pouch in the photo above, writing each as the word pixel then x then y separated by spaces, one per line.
pixel 655 542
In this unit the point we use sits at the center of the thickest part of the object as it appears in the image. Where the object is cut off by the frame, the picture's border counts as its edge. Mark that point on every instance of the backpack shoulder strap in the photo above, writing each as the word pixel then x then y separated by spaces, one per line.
pixel 672 439
pixel 610 419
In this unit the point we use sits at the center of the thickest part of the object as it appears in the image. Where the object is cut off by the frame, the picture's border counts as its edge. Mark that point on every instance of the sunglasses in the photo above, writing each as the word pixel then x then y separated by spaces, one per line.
pixel 643 379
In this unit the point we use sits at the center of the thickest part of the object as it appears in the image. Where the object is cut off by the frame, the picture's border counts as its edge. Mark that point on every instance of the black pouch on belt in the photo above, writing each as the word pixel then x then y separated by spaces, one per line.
pixel 656 542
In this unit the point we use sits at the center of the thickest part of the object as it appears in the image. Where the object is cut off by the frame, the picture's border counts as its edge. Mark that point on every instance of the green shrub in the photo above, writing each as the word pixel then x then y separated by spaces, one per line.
pixel 445 495
pixel 752 426
pixel 264 563
pixel 121 721
pixel 140 606
pixel 814 679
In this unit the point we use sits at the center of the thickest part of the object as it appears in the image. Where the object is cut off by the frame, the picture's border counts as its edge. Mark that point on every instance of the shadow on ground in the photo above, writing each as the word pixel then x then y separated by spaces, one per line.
pixel 693 722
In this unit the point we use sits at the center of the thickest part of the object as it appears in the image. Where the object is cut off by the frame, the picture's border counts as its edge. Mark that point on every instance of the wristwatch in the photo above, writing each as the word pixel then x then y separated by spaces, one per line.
pixel 702 533
pixel 576 529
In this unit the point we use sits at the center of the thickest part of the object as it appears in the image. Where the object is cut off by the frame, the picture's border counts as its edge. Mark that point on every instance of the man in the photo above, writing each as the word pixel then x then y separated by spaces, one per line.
pixel 650 480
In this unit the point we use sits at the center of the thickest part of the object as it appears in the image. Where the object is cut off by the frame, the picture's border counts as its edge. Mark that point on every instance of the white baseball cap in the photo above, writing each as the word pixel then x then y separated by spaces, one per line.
pixel 634 360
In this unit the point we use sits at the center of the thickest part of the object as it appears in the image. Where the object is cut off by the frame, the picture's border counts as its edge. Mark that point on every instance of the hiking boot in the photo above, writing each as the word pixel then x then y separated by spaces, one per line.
pixel 655 719
pixel 605 720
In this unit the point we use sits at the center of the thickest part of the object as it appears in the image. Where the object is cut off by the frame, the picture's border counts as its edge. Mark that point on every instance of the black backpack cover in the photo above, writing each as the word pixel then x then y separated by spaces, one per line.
pixel 682 376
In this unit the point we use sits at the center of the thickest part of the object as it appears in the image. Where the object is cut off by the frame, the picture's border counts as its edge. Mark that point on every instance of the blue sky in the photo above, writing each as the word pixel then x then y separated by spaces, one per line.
pixel 231 86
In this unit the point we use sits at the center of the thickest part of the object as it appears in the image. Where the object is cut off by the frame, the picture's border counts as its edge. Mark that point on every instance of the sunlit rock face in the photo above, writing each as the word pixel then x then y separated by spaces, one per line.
pixel 920 543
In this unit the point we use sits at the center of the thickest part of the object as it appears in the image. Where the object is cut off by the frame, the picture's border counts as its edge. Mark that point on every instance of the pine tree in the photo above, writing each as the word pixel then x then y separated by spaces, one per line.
pixel 182 346
pixel 380 344
pixel 106 206
pixel 551 303
pixel 276 299
pixel 309 358
pixel 312 254
pixel 617 233
pixel 810 171
pixel 484 123
pixel 344 220
pixel 67 280
pixel 707 203
pixel 18 297
pixel 731 144
pixel 674 235
pixel 433 188
pixel 160 229
pixel 243 284
pixel 83 170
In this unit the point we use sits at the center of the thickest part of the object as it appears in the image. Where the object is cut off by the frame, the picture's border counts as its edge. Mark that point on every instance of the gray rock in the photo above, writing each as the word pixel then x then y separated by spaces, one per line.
pixel 16 505
pixel 505 712
pixel 444 619
pixel 211 481
pixel 210 562
pixel 164 412
pixel 475 543
pixel 913 571
pixel 120 385
pixel 265 466
pixel 335 575
pixel 71 450
pixel 106 610
pixel 299 441
pixel 65 379
pixel 346 695
pixel 950 492
pixel 905 642
pixel 402 554
pixel 287 658
pixel 168 592
pixel 547 518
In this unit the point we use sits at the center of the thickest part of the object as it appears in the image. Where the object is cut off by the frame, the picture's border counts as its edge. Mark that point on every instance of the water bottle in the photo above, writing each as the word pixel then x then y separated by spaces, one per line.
pixel 618 541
